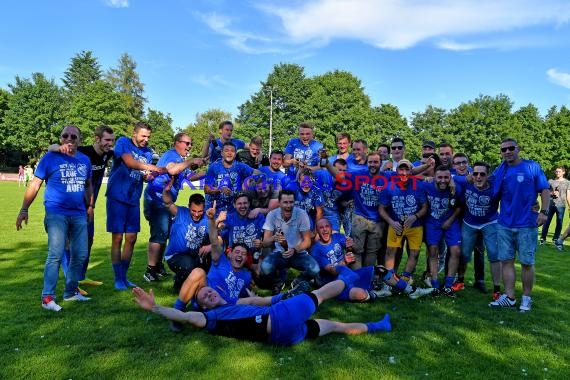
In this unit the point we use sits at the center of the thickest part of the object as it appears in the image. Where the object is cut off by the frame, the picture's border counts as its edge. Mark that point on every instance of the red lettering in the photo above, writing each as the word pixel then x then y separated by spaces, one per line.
pixel 342 181
pixel 360 180
pixel 397 180
pixel 384 182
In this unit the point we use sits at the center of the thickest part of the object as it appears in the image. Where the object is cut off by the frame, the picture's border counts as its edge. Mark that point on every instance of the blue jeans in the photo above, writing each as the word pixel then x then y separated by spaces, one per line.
pixel 159 219
pixel 469 237
pixel 559 212
pixel 60 228
pixel 301 261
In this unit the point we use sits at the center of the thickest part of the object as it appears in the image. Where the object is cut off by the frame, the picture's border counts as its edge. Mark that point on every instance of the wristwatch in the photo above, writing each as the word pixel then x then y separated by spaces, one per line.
pixel 544 212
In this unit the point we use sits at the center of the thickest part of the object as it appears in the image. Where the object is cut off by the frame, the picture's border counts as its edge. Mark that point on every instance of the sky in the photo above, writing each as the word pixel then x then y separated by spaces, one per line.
pixel 197 55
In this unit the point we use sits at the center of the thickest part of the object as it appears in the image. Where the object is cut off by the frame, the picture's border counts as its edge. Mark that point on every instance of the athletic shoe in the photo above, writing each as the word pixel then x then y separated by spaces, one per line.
pixel 448 292
pixel 426 279
pixel 496 295
pixel 76 297
pixel 383 292
pixel 176 326
pixel 480 285
pixel 300 288
pixel 48 303
pixel 90 282
pixel 503 301
pixel 457 286
pixel 420 292
pixel 526 304
pixel 559 245
pixel 161 272
pixel 542 242
pixel 150 275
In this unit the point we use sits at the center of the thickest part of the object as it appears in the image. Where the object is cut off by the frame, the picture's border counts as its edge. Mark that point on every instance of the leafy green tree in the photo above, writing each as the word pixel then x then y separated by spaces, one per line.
pixel 208 122
pixel 478 127
pixel 389 123
pixel 162 132
pixel 125 80
pixel 34 117
pixel 83 70
pixel 99 104
pixel 528 129
pixel 556 146
pixel 290 88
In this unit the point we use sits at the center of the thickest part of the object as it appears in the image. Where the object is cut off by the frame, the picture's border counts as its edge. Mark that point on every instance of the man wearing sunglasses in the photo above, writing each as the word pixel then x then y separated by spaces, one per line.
pixel 66 199
pixel 178 165
pixel 479 222
pixel 517 183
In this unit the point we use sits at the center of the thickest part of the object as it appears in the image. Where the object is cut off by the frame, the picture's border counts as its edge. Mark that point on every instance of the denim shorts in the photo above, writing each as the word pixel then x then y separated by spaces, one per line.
pixel 522 240
pixel 159 219
pixel 469 237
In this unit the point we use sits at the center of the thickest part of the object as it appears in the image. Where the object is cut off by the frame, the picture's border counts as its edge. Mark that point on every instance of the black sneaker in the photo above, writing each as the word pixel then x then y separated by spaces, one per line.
pixel 300 288
pixel 150 275
pixel 161 272
pixel 448 292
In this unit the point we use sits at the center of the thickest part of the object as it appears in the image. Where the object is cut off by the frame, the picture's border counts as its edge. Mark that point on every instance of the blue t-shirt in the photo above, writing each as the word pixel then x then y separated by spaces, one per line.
pixel 153 190
pixel 307 153
pixel 219 176
pixel 440 208
pixel 242 230
pixel 273 177
pixel 65 178
pixel 518 187
pixel 480 206
pixel 329 254
pixel 331 195
pixel 126 184
pixel 216 148
pixel 309 201
pixel 401 203
pixel 352 165
pixel 333 158
pixel 366 190
pixel 230 284
pixel 186 235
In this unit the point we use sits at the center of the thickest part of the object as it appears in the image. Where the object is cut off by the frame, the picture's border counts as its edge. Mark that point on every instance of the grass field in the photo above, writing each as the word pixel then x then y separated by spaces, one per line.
pixel 110 338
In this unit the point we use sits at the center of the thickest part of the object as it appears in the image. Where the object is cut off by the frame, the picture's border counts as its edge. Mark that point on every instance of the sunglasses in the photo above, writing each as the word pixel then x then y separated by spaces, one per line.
pixel 462 163
pixel 509 148
pixel 65 136
pixel 188 143
pixel 479 174
pixel 399 147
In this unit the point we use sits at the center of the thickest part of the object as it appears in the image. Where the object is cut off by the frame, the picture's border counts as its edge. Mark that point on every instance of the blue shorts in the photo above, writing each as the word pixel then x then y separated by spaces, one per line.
pixel 123 217
pixel 288 319
pixel 366 275
pixel 522 240
pixel 435 233
pixel 159 220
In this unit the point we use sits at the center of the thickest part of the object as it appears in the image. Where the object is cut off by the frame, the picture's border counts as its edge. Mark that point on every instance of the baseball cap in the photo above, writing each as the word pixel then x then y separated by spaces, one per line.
pixel 405 163
pixel 428 143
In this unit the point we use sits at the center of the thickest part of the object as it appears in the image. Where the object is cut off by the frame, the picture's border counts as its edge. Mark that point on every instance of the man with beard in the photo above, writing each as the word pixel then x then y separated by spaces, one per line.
pixel 188 245
pixel 273 171
pixel 442 222
pixel 131 166
pixel 288 229
pixel 253 157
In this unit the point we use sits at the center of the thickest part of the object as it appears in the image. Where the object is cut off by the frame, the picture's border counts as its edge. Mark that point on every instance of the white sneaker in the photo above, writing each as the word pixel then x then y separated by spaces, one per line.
pixel 48 303
pixel 427 281
pixel 383 292
pixel 77 297
pixel 526 304
pixel 420 292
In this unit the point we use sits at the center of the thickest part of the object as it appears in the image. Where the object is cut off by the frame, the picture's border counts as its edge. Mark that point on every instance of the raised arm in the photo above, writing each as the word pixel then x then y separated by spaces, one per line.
pixel 213 233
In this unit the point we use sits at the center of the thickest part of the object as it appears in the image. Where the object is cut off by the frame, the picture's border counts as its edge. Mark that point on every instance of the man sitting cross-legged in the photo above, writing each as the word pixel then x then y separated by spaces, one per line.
pixel 284 323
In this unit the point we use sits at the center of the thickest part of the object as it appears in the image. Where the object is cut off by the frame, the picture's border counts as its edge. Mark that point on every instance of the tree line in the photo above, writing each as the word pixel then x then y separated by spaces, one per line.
pixel 33 111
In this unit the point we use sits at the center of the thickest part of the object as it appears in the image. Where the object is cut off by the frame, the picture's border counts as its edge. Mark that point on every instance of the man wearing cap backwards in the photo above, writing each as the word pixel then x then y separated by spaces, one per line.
pixel 402 206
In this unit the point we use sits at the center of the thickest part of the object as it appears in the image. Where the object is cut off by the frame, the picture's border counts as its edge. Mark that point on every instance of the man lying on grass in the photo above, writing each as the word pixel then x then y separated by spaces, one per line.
pixel 281 322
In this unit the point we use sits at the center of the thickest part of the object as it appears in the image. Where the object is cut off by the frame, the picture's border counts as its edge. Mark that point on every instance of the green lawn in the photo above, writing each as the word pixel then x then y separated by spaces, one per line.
pixel 110 338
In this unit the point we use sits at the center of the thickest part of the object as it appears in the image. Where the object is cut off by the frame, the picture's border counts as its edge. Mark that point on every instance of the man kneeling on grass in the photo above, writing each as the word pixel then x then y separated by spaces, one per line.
pixel 279 322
